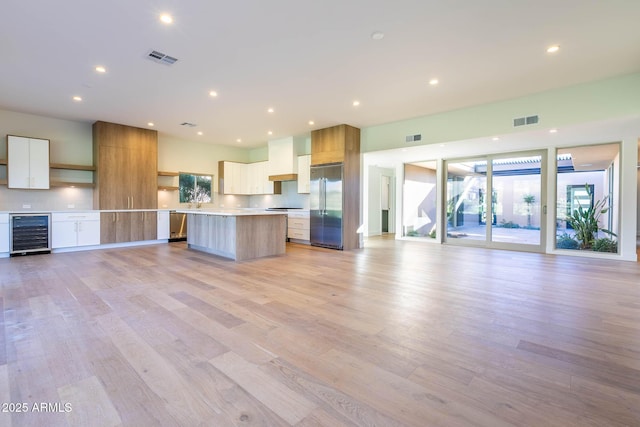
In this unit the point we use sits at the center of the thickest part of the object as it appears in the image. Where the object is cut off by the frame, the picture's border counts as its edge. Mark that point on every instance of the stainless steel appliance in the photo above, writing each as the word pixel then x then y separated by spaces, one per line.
pixel 177 226
pixel 30 233
pixel 325 206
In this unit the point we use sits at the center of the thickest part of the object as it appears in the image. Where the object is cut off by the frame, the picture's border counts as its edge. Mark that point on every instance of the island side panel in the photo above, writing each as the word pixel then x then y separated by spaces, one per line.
pixel 260 235
pixel 213 234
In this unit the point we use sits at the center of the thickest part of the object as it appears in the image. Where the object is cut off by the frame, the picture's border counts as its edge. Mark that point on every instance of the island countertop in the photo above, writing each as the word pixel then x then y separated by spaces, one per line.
pixel 230 212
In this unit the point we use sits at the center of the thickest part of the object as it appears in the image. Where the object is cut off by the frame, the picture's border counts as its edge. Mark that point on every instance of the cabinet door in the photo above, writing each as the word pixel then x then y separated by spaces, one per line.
pixel 144 171
pixel 163 225
pixel 18 174
pixel 114 181
pixel 304 164
pixel 4 233
pixel 108 227
pixel 88 233
pixel 64 234
pixel 39 163
pixel 150 225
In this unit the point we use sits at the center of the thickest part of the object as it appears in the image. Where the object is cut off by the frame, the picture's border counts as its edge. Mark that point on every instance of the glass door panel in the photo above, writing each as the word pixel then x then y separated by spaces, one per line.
pixel 466 213
pixel 516 195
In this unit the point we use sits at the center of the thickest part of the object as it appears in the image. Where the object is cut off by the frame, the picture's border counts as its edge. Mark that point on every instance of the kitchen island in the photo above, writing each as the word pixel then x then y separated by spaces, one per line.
pixel 239 234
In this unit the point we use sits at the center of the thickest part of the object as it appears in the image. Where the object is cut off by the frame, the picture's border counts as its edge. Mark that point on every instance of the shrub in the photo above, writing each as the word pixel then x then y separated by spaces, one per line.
pixel 605 244
pixel 566 241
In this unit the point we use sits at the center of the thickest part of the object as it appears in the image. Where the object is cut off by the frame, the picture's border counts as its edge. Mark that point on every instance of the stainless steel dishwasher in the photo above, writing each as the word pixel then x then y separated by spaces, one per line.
pixel 177 226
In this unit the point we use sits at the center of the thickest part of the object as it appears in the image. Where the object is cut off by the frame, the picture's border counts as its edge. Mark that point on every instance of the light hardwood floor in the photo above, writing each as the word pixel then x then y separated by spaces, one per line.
pixel 399 333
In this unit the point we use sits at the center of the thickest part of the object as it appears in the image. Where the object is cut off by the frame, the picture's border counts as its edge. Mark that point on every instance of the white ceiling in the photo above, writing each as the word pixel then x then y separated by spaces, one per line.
pixel 307 60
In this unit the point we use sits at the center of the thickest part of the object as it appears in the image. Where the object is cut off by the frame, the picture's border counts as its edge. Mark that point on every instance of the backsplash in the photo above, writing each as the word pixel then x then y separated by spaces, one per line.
pixel 56 199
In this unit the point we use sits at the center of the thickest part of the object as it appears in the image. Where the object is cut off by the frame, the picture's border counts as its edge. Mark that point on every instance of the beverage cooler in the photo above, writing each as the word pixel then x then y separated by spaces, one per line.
pixel 29 233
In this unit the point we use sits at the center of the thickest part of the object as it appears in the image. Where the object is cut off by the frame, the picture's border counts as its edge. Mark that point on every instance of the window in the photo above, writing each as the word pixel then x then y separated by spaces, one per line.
pixel 195 188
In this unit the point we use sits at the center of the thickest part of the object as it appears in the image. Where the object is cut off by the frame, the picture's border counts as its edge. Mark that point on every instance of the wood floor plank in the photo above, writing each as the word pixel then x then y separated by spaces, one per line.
pixel 91 405
pixel 283 401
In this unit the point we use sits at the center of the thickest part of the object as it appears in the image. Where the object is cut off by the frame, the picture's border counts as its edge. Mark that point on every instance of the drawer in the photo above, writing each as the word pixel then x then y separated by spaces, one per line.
pixel 304 214
pixel 75 216
pixel 299 223
pixel 294 233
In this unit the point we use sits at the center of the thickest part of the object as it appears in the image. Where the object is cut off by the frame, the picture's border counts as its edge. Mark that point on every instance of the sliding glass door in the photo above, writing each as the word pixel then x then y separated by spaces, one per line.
pixel 496 201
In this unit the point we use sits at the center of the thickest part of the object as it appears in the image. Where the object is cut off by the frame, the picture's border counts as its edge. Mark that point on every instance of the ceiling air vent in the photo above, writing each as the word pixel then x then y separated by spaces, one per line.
pixel 523 121
pixel 412 138
pixel 161 58
pixel 187 124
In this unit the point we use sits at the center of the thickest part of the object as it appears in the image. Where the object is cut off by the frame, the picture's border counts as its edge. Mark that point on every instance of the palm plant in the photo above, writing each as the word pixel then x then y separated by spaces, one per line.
pixel 529 199
pixel 585 222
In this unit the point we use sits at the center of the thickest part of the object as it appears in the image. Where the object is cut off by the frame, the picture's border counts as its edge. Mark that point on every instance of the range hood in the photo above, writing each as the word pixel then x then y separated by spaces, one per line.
pixel 283 160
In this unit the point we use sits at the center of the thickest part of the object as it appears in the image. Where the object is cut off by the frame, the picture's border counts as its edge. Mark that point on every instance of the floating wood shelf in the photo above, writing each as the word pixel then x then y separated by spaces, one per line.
pixel 167 188
pixel 3 161
pixel 3 182
pixel 168 173
pixel 72 167
pixel 71 184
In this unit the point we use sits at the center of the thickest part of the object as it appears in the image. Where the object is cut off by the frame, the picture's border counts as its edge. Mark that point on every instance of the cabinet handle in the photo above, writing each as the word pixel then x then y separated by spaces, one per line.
pixel 131 202
pixel 79 228
pixel 115 216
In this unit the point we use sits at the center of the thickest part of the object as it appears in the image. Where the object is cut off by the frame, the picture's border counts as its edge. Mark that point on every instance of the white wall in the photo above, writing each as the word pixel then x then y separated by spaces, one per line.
pixel 373 192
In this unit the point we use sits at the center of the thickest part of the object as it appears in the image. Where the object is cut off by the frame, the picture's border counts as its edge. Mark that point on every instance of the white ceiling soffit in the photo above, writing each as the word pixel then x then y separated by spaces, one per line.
pixel 308 60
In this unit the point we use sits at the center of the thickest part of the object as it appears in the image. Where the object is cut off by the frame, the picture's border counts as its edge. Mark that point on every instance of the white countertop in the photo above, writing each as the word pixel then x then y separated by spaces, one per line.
pixel 230 212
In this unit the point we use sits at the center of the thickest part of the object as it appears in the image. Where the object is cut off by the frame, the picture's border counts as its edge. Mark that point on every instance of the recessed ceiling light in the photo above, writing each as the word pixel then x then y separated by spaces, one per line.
pixel 311 123
pixel 553 130
pixel 442 145
pixel 151 124
pixel 270 133
pixel 101 69
pixel 200 133
pixel 166 18
pixel 356 103
pixel 270 110
pixel 553 49
pixel 238 140
pixel 77 98
pixel 495 138
pixel 377 35
pixel 434 82
pixel 213 93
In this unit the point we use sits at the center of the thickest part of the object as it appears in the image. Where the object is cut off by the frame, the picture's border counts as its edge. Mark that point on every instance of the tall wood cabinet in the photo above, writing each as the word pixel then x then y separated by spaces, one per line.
pixel 126 161
pixel 341 144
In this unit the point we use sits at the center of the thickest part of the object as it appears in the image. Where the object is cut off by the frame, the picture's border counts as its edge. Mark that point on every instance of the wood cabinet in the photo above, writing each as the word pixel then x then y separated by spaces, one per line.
pixel 304 175
pixel 126 161
pixel 123 226
pixel 27 162
pixel 334 144
pixel 75 229
pixel 4 232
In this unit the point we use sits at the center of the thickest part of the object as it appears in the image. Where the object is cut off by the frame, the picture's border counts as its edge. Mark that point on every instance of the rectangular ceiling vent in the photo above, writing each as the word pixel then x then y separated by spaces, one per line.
pixel 412 138
pixel 161 58
pixel 187 124
pixel 524 121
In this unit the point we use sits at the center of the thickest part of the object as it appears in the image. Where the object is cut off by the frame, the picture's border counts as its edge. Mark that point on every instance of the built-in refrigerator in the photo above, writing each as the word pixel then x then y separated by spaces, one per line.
pixel 325 205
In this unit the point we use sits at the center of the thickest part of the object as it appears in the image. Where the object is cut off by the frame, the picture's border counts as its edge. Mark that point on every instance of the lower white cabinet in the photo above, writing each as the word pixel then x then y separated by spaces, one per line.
pixel 163 225
pixel 75 229
pixel 4 232
pixel 298 226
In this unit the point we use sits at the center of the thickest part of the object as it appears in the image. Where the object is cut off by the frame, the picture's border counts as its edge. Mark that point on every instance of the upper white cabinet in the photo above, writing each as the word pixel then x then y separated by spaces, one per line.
pixel 283 159
pixel 27 162
pixel 304 173
pixel 244 178
pixel 4 232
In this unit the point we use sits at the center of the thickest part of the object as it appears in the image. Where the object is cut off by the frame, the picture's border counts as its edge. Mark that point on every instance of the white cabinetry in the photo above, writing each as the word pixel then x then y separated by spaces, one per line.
pixel 246 178
pixel 283 159
pixel 75 229
pixel 27 162
pixel 163 225
pixel 304 173
pixel 4 233
pixel 298 226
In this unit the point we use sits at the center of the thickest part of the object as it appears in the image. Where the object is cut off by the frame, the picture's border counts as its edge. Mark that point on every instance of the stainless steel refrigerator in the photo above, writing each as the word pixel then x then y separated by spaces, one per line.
pixel 325 205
